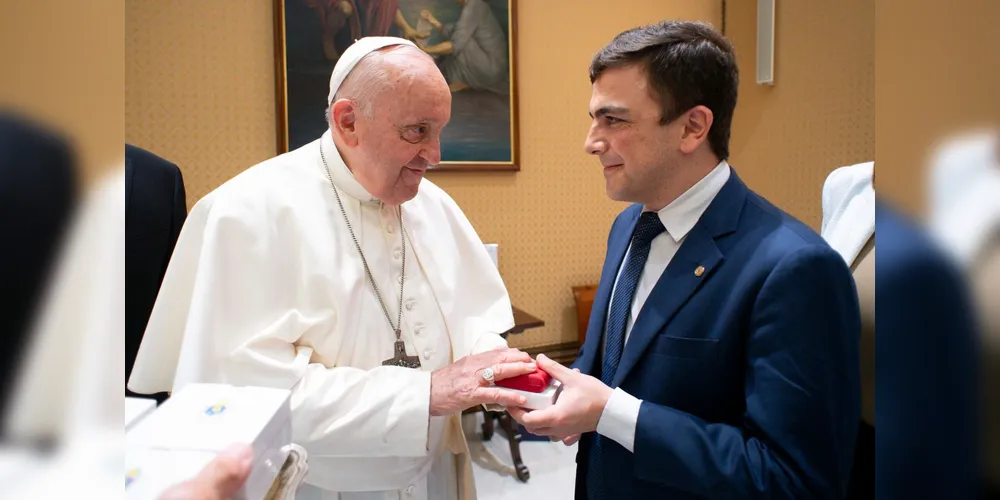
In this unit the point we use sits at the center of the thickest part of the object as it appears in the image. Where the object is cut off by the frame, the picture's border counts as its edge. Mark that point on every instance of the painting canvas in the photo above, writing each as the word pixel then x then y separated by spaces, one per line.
pixel 472 42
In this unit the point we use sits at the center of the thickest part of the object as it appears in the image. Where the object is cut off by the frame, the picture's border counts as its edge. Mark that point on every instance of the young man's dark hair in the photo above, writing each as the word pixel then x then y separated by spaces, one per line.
pixel 688 64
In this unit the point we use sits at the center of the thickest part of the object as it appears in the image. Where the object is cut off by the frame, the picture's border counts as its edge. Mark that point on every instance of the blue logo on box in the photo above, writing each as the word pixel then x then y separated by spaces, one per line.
pixel 216 409
pixel 130 477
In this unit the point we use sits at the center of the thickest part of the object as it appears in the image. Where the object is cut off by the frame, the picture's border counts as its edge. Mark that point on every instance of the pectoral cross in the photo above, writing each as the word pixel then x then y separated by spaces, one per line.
pixel 400 358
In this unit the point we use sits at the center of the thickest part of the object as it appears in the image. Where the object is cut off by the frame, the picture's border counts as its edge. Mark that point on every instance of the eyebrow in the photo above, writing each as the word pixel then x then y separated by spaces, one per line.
pixel 609 110
pixel 407 125
pixel 425 120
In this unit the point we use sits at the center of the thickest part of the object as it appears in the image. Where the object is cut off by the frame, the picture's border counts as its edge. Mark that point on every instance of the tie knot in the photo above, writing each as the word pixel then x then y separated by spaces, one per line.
pixel 648 227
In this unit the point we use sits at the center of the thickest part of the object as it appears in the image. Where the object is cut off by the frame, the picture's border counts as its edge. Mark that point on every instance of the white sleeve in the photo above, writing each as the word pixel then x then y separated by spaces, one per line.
pixel 347 412
pixel 619 419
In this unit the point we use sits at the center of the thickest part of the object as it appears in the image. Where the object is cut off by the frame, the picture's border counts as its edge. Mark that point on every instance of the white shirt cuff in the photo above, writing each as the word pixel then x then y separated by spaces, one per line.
pixel 619 419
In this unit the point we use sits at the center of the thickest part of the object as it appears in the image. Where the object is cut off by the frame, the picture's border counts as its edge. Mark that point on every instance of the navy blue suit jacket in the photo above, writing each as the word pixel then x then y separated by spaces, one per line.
pixel 748 373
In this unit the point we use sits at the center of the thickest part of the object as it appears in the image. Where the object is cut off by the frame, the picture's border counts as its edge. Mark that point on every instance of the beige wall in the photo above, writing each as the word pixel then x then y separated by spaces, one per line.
pixel 199 85
pixel 938 68
pixel 820 113
pixel 62 67
pixel 200 91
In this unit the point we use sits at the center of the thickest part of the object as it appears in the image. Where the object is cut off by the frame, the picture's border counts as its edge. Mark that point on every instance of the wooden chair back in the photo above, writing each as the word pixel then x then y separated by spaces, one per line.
pixel 583 295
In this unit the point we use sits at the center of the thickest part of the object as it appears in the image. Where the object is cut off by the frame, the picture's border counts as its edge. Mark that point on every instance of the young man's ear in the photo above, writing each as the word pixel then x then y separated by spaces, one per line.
pixel 697 122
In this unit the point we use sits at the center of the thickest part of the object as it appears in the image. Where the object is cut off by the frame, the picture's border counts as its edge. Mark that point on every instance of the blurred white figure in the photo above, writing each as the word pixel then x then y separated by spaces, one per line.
pixel 964 188
pixel 70 384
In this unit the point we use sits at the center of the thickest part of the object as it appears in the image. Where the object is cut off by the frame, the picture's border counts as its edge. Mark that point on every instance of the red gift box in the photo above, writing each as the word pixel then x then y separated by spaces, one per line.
pixel 531 382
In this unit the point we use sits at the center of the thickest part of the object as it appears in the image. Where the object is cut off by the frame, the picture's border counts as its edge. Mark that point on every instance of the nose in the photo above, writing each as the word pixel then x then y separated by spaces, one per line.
pixel 432 151
pixel 593 144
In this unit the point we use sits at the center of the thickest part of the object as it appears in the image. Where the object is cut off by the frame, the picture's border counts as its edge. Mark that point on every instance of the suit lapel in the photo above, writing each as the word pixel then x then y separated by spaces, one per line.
pixel 680 280
pixel 602 299
pixel 676 285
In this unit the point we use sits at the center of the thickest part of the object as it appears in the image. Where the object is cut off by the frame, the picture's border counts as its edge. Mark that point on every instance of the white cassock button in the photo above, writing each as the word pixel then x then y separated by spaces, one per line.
pixel 428 353
pixel 418 329
pixel 410 304
pixel 400 279
pixel 397 254
pixel 390 228
pixel 410 489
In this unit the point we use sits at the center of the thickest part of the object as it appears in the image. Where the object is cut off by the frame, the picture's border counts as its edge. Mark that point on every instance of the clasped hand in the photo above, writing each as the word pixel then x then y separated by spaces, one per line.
pixel 461 385
pixel 578 409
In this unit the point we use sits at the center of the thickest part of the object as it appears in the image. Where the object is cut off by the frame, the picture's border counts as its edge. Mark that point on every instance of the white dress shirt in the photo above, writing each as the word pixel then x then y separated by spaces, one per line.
pixel 621 414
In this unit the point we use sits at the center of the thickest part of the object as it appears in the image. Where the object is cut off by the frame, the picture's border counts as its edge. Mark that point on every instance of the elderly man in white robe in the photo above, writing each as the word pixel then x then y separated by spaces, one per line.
pixel 337 271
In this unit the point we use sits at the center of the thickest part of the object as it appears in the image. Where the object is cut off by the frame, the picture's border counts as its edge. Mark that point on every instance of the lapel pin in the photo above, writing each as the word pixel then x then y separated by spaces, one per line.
pixel 698 271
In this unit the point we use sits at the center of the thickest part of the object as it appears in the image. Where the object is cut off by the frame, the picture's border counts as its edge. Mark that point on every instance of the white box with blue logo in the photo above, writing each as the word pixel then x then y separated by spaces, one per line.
pixel 180 437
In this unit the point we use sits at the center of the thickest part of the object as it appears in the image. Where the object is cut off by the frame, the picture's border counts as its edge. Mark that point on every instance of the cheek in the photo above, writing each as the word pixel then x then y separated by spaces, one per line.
pixel 392 159
pixel 629 149
pixel 385 152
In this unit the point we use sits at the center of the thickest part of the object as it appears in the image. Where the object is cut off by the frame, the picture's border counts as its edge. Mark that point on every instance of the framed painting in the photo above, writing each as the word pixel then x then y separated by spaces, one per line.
pixel 473 43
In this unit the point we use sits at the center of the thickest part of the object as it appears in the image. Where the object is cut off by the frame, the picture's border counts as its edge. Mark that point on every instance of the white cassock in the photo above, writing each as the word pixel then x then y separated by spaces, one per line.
pixel 266 288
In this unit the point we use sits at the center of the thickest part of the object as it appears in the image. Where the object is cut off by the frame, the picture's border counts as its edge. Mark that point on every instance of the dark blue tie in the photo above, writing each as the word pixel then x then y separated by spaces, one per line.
pixel 648 227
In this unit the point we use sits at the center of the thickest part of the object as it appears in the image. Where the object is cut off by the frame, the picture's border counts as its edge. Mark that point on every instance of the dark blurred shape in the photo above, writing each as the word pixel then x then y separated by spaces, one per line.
pixel 38 193
pixel 926 369
pixel 984 273
pixel 963 184
pixel 155 210
pixel 863 475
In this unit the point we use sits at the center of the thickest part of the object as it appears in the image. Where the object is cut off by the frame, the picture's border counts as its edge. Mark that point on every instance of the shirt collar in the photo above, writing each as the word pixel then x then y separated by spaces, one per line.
pixel 342 176
pixel 683 213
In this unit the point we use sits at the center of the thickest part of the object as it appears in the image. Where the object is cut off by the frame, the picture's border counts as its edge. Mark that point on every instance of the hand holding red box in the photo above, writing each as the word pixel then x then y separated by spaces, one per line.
pixel 539 389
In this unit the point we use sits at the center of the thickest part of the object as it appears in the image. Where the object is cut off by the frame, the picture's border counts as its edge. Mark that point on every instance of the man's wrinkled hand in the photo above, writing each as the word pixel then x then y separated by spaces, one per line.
pixel 219 480
pixel 461 385
pixel 579 407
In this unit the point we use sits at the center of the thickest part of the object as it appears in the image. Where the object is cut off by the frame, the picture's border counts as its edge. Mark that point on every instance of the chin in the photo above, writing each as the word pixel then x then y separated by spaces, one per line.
pixel 401 196
pixel 616 193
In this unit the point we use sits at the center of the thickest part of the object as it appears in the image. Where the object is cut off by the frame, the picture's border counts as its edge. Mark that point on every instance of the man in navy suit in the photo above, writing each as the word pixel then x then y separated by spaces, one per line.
pixel 721 359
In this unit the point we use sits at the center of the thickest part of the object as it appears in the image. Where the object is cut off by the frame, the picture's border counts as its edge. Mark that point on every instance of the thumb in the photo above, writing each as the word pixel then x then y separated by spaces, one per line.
pixel 226 474
pixel 219 480
pixel 557 371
